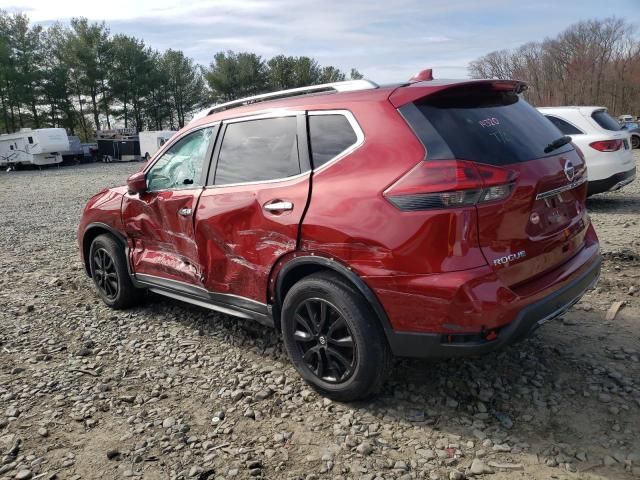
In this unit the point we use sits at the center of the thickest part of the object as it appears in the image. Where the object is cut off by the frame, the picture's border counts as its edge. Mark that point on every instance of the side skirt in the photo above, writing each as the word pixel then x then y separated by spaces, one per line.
pixel 220 302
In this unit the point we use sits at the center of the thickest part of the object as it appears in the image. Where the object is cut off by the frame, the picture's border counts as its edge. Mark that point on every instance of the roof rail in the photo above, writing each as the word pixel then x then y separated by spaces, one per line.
pixel 346 86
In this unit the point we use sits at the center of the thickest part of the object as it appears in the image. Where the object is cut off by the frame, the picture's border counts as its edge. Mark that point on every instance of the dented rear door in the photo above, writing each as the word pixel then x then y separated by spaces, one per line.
pixel 250 211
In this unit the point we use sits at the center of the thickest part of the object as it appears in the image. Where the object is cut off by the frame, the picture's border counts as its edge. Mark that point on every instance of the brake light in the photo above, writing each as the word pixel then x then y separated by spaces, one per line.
pixel 448 184
pixel 607 145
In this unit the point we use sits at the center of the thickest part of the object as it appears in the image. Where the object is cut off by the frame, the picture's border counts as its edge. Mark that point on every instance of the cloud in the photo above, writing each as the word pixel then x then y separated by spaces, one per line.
pixel 387 41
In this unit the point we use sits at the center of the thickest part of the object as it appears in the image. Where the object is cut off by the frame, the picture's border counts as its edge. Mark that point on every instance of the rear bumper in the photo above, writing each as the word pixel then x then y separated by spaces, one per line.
pixel 530 317
pixel 612 183
pixel 473 311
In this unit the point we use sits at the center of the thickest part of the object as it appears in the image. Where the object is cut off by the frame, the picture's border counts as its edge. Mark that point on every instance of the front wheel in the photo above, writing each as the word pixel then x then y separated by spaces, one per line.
pixel 334 339
pixel 108 265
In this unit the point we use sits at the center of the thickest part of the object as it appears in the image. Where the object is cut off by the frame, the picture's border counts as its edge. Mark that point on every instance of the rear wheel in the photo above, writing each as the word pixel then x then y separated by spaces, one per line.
pixel 109 272
pixel 333 338
pixel 635 141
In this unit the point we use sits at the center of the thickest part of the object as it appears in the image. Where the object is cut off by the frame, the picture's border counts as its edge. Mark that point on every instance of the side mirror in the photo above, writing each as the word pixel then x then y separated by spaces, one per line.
pixel 137 183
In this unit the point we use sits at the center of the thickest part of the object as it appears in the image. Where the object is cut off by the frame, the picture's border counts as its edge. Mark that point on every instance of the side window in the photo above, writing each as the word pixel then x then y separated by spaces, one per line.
pixel 605 120
pixel 329 135
pixel 181 165
pixel 564 127
pixel 258 150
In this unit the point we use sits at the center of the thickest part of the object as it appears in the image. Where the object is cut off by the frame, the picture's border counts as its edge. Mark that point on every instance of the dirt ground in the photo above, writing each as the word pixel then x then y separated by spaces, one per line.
pixel 167 390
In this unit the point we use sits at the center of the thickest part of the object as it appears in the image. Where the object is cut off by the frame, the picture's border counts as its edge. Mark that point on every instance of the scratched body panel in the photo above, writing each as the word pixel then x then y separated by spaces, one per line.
pixel 104 208
pixel 239 241
pixel 350 220
pixel 162 240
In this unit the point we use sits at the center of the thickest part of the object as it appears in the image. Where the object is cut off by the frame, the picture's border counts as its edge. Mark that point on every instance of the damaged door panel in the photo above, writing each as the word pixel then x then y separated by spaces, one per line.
pixel 163 242
pixel 249 214
pixel 159 221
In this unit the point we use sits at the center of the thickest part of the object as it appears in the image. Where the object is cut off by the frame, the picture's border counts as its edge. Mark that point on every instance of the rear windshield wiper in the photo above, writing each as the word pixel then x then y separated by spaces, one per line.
pixel 556 144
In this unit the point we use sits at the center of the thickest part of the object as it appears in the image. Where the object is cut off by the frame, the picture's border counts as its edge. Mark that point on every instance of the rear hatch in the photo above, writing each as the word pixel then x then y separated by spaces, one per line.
pixel 540 222
pixel 615 140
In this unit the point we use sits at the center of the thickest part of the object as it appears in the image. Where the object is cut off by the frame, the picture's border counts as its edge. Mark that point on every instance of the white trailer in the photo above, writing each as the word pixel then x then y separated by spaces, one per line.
pixel 151 141
pixel 38 147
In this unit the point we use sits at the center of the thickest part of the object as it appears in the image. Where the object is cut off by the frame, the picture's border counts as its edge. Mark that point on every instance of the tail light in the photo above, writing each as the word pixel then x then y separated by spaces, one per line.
pixel 607 145
pixel 448 184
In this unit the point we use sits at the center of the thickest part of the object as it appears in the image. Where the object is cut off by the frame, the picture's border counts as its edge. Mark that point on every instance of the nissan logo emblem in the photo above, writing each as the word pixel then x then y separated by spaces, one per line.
pixel 569 170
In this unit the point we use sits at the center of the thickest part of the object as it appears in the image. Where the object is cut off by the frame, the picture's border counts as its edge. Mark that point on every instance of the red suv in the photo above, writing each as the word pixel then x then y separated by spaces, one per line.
pixel 427 219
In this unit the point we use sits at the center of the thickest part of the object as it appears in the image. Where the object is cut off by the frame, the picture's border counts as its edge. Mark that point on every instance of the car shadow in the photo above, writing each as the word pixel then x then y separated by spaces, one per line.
pixel 612 204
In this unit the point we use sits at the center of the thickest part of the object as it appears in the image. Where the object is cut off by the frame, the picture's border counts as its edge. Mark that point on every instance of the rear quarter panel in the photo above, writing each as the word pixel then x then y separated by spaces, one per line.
pixel 349 219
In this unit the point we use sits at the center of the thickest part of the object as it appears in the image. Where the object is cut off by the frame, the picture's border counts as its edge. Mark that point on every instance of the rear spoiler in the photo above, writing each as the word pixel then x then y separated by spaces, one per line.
pixel 416 90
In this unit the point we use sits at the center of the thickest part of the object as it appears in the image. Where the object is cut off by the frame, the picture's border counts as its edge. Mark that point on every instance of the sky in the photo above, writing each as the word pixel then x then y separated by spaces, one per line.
pixel 387 41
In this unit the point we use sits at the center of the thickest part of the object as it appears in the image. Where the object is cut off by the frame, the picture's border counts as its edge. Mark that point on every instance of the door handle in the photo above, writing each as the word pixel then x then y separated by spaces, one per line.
pixel 278 206
pixel 185 212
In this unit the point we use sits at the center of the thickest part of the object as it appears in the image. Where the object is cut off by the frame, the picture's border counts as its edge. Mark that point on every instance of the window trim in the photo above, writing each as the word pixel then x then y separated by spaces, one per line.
pixel 565 121
pixel 206 163
pixel 360 138
pixel 303 147
pixel 265 116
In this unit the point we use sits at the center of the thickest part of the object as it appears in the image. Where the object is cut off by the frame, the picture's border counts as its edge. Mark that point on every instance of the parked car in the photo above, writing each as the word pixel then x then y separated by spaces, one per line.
pixel 625 118
pixel 89 152
pixel 606 147
pixel 634 130
pixel 74 154
pixel 426 219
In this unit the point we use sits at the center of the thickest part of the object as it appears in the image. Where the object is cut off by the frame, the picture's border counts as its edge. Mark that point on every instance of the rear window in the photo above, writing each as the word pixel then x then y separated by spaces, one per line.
pixel 483 125
pixel 605 120
pixel 563 126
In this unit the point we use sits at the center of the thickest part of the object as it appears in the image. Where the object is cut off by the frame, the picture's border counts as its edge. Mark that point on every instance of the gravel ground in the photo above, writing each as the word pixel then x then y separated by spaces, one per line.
pixel 172 391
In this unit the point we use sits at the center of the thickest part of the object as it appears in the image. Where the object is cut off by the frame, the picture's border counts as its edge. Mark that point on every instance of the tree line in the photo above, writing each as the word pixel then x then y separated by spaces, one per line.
pixel 595 62
pixel 83 78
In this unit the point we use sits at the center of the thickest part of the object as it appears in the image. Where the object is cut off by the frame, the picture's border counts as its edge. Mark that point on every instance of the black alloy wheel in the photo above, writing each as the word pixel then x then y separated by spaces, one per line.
pixel 333 338
pixel 107 262
pixel 105 275
pixel 325 341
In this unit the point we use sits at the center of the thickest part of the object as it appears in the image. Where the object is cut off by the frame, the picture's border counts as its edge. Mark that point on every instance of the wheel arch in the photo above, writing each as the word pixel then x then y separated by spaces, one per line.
pixel 90 233
pixel 300 267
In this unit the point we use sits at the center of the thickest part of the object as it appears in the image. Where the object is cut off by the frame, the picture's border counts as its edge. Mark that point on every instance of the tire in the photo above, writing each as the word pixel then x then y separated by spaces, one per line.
pixel 319 353
pixel 121 294
pixel 635 141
